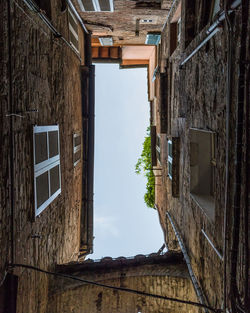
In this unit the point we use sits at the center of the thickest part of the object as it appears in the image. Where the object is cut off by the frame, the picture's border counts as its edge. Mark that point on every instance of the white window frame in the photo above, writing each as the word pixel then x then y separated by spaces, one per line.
pixel 106 41
pixel 45 166
pixel 170 159
pixel 73 32
pixel 158 147
pixel 179 30
pixel 146 21
pixel 76 148
pixel 96 6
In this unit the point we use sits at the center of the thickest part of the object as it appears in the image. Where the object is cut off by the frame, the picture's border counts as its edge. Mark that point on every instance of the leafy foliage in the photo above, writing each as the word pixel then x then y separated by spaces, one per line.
pixel 144 165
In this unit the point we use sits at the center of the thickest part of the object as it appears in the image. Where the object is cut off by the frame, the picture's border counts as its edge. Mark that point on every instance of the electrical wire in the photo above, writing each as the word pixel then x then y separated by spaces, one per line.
pixel 11 266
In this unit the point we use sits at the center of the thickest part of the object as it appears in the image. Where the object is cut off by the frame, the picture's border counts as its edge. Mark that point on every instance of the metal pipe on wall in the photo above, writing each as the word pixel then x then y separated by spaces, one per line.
pixel 212 30
pixel 90 171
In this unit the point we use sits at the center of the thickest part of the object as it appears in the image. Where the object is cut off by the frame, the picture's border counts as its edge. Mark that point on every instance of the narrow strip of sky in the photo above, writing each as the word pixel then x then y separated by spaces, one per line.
pixel 123 225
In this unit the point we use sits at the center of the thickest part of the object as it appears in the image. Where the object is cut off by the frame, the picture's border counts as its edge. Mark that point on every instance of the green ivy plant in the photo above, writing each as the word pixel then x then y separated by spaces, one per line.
pixel 143 165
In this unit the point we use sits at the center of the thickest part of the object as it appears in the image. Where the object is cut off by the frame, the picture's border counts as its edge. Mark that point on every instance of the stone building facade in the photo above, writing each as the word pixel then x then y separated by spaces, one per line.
pixel 128 23
pixel 198 90
pixel 164 275
pixel 201 118
pixel 41 85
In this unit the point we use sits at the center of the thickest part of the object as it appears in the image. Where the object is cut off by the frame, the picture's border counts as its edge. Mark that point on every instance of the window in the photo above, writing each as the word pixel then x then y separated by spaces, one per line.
pixel 153 38
pixel 153 145
pixel 73 30
pixel 47 172
pixel 45 6
pixel 173 164
pixel 170 159
pixel 96 5
pixel 179 30
pixel 106 41
pixel 76 148
pixel 163 103
pixel 202 169
pixel 175 29
pixel 145 21
pixel 158 147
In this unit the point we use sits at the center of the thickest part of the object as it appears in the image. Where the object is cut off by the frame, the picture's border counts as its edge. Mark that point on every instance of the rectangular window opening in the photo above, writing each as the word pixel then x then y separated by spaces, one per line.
pixel 47 173
pixel 203 169
pixel 96 5
pixel 173 164
pixel 77 153
pixel 73 30
pixel 158 148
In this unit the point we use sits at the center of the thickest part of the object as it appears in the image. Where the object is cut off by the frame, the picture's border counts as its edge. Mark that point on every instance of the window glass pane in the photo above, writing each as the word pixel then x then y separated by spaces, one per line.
pixel 77 141
pixel 170 149
pixel 41 149
pixel 53 144
pixel 158 141
pixel 54 179
pixel 73 40
pixel 73 23
pixel 170 169
pixel 88 5
pixel 158 155
pixel 77 156
pixel 42 188
pixel 104 5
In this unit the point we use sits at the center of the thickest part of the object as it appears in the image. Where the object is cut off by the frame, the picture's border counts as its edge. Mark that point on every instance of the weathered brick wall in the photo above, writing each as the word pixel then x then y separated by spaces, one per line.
pixel 123 21
pixel 46 77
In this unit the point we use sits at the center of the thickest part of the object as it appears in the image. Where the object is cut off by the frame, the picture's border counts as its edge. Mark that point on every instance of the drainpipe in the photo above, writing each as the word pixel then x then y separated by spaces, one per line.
pixel 228 114
pixel 12 138
pixel 237 208
pixel 88 97
pixel 197 288
pixel 90 171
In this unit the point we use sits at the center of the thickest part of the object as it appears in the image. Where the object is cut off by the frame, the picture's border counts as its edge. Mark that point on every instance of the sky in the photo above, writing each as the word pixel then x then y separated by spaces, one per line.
pixel 123 224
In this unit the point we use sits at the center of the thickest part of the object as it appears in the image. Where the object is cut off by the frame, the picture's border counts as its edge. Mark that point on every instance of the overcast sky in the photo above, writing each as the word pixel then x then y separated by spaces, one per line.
pixel 123 225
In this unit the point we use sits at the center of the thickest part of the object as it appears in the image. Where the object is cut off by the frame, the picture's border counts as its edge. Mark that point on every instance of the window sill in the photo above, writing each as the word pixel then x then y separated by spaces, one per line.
pixel 206 203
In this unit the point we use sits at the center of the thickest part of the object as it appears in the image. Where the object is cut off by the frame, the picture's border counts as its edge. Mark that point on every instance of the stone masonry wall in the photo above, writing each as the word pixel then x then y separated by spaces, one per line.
pixel 45 77
pixel 197 100
pixel 97 299
pixel 123 21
